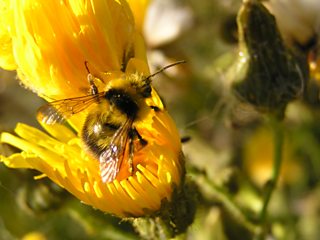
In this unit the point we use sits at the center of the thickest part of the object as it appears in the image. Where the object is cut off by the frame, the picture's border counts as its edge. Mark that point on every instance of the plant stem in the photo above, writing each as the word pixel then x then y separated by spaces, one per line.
pixel 231 206
pixel 278 136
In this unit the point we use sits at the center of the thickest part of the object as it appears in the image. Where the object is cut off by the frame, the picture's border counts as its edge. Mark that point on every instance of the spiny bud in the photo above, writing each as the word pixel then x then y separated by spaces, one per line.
pixel 273 75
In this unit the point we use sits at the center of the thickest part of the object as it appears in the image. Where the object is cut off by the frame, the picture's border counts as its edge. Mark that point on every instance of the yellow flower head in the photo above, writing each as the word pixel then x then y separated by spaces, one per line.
pixel 51 41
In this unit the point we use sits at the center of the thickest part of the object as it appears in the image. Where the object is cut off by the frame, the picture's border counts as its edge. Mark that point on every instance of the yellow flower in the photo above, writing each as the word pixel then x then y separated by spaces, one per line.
pixel 51 42
pixel 258 158
pixel 34 236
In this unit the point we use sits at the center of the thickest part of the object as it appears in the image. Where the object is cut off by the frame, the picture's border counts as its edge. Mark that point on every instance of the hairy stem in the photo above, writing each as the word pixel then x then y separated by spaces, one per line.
pixel 278 138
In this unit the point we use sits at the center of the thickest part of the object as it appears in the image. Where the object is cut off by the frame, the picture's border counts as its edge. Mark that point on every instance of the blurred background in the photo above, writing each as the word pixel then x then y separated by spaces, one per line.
pixel 230 143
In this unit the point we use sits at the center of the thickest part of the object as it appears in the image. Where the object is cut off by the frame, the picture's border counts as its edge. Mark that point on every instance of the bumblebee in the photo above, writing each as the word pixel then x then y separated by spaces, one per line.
pixel 109 131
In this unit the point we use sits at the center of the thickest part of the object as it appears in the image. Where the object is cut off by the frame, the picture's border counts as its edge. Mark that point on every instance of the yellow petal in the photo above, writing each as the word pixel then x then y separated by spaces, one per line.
pixel 139 10
pixel 6 52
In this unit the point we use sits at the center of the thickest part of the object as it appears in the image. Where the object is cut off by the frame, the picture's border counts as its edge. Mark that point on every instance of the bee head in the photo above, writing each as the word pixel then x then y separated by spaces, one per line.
pixel 141 85
pixel 128 94
pixel 145 89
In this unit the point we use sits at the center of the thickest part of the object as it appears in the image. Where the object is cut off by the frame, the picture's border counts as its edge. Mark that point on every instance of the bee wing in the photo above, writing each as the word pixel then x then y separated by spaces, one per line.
pixel 111 159
pixel 60 110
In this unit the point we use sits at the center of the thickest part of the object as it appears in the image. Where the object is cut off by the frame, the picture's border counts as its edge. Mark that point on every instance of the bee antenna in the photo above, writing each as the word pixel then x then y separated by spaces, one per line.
pixel 166 67
pixel 86 65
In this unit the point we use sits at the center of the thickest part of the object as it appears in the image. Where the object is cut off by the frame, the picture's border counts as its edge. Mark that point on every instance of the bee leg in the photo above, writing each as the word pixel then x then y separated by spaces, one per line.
pixel 93 88
pixel 155 108
pixel 185 139
pixel 142 141
pixel 127 54
pixel 132 135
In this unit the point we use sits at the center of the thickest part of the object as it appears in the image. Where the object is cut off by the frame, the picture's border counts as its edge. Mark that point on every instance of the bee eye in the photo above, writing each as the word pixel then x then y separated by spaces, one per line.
pixel 146 91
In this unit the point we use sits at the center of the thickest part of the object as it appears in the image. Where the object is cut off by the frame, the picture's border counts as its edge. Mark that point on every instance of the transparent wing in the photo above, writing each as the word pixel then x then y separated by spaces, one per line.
pixel 112 158
pixel 60 110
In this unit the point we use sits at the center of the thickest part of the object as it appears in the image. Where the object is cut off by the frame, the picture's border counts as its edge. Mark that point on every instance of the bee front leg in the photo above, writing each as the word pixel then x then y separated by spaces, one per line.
pixel 93 88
